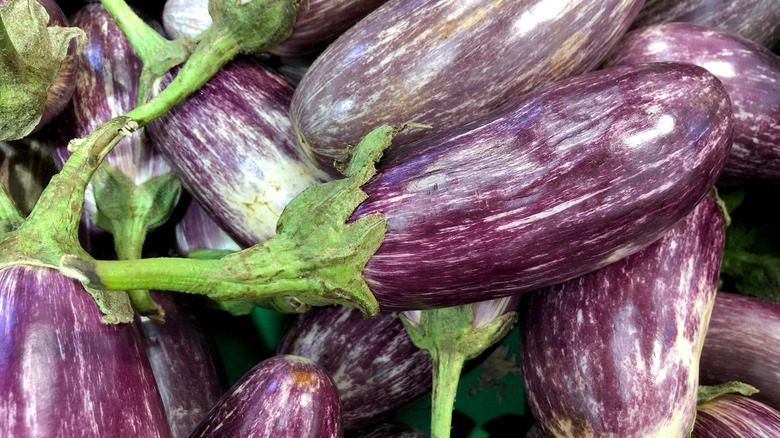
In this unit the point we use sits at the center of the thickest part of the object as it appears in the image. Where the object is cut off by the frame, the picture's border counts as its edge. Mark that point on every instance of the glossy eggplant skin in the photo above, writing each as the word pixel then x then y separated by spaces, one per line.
pixel 561 183
pixel 445 63
pixel 750 73
pixel 735 416
pixel 232 145
pixel 365 357
pixel 65 373
pixel 180 356
pixel 197 230
pixel 756 20
pixel 282 397
pixel 743 344
pixel 616 353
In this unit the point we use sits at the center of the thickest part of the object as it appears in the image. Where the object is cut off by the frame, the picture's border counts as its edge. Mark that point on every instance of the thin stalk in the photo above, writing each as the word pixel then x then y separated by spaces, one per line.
pixel 447 366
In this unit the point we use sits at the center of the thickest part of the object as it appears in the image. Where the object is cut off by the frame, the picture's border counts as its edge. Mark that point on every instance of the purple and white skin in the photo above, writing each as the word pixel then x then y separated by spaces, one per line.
pixel 232 145
pixel 318 23
pixel 446 62
pixel 750 73
pixel 563 182
pixel 62 89
pixel 197 230
pixel 376 367
pixel 64 372
pixel 180 355
pixel 388 430
pixel 735 416
pixel 616 353
pixel 756 20
pixel 282 397
pixel 743 344
pixel 453 335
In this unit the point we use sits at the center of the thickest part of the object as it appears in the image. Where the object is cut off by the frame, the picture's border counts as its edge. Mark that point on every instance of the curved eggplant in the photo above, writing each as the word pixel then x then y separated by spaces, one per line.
pixel 743 344
pixel 282 397
pixel 197 230
pixel 564 182
pixel 756 20
pixel 186 18
pixel 616 353
pixel 446 62
pixel 388 430
pixel 64 372
pixel 735 416
pixel 750 73
pixel 365 357
pixel 180 356
pixel 243 164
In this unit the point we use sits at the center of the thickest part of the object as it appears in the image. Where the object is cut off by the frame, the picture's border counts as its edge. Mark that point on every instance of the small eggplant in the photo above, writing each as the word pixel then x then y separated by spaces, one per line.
pixel 65 373
pixel 735 416
pixel 365 357
pixel 446 62
pixel 749 72
pixel 616 353
pixel 282 397
pixel 756 20
pixel 743 344
pixel 565 181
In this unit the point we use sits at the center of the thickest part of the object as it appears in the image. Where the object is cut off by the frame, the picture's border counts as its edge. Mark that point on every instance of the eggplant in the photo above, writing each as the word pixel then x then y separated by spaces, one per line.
pixel 243 166
pixel 564 182
pixel 26 166
pixel 365 357
pixel 743 344
pixel 735 416
pixel 180 355
pixel 444 63
pixel 196 230
pixel 756 20
pixel 64 372
pixel 616 353
pixel 388 430
pixel 282 397
pixel 535 432
pixel 749 72
pixel 319 22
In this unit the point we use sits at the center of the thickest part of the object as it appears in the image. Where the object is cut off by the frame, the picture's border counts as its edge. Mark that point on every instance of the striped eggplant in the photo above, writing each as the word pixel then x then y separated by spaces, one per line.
pixel 750 73
pixel 64 372
pixel 616 353
pixel 180 354
pixel 446 62
pixel 319 22
pixel 565 181
pixel 375 365
pixel 756 20
pixel 743 344
pixel 242 164
pixel 62 89
pixel 388 430
pixel 26 166
pixel 736 416
pixel 282 397
pixel 196 230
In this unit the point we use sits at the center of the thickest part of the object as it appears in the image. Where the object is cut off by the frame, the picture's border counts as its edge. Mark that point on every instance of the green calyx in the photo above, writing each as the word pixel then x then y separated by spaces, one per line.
pixel 31 55
pixel 255 25
pixel 708 393
pixel 315 257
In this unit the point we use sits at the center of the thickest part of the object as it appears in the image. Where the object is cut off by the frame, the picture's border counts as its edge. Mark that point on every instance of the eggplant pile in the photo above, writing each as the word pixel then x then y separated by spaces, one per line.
pixel 438 173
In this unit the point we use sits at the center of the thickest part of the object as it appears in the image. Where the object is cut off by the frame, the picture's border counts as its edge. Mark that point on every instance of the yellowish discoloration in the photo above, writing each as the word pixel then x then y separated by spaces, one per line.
pixel 562 58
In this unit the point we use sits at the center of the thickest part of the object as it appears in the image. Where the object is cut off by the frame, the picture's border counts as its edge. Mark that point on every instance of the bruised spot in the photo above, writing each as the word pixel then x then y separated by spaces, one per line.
pixel 302 378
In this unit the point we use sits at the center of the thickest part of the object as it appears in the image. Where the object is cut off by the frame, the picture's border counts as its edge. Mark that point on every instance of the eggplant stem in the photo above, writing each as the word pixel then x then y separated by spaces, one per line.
pixel 9 56
pixel 447 367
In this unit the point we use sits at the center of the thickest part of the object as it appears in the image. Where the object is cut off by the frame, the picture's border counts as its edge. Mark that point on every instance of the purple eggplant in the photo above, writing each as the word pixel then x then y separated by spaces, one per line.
pixel 197 230
pixel 750 73
pixel 26 167
pixel 616 353
pixel 735 416
pixel 180 355
pixel 388 430
pixel 243 166
pixel 756 20
pixel 446 62
pixel 365 357
pixel 282 397
pixel 565 181
pixel 319 22
pixel 743 344
pixel 64 372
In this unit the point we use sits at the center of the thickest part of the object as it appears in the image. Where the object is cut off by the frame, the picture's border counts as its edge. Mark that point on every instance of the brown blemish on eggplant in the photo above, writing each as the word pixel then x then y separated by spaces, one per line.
pixel 562 57
pixel 301 378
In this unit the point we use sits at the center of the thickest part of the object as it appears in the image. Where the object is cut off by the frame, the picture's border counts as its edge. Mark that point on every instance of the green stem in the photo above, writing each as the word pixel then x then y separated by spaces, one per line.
pixel 447 366
pixel 157 53
pixel 212 53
